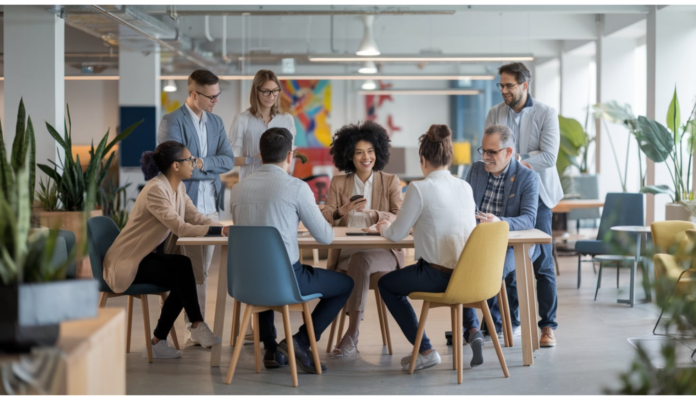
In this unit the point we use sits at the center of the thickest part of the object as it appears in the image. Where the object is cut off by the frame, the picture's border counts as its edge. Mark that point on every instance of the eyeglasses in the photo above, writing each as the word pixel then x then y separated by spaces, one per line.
pixel 192 159
pixel 268 93
pixel 212 98
pixel 507 86
pixel 489 153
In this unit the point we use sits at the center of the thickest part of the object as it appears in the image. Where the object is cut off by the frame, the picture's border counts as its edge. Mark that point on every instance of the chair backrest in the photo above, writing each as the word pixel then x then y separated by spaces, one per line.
pixel 667 235
pixel 60 254
pixel 69 239
pixel 480 267
pixel 259 271
pixel 587 186
pixel 101 233
pixel 620 209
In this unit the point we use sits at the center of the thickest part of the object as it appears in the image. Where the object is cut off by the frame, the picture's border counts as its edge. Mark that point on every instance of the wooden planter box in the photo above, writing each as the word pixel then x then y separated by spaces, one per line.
pixel 676 212
pixel 72 221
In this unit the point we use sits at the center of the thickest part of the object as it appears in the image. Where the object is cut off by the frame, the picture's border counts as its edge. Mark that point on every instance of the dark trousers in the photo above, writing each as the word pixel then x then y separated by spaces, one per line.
pixel 335 288
pixel 174 272
pixel 544 271
pixel 395 286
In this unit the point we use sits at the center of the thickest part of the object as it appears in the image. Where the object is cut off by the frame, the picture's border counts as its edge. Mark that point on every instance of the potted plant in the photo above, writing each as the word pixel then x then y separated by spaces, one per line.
pixel 35 297
pixel 663 144
pixel 72 182
pixel 575 144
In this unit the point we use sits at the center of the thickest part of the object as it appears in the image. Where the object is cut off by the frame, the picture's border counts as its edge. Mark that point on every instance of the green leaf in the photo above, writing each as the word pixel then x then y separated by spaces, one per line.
pixel 31 141
pixel 572 130
pixel 673 114
pixel 655 140
pixel 690 131
pixel 657 189
pixel 614 112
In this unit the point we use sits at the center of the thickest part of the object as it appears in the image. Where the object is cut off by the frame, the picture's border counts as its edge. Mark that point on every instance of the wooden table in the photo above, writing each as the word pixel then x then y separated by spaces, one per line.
pixel 520 240
pixel 565 206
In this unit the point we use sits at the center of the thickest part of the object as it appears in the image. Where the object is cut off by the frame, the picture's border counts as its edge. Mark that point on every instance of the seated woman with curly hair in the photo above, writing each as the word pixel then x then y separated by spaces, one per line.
pixel 361 151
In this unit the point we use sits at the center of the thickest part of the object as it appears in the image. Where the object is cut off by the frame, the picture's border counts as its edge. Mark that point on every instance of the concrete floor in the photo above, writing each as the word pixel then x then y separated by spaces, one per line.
pixel 592 351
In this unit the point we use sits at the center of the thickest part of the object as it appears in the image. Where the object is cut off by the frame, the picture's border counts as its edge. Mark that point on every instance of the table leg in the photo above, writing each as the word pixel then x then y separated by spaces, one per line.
pixel 634 270
pixel 521 271
pixel 646 274
pixel 221 296
pixel 533 307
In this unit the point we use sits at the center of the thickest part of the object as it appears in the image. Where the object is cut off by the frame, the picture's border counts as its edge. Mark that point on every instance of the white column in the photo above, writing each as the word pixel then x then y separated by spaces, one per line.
pixel 139 91
pixel 34 61
pixel 670 31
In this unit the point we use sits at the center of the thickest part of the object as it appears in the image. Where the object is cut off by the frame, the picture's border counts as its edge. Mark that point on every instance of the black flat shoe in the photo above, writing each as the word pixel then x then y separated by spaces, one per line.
pixel 303 357
pixel 274 359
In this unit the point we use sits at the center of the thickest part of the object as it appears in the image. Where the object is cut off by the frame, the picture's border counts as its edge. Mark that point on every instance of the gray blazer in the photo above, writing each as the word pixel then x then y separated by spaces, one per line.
pixel 520 201
pixel 539 133
pixel 178 126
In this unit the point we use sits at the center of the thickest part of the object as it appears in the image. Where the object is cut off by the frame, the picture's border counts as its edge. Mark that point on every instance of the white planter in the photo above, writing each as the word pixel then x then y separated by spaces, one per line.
pixel 676 212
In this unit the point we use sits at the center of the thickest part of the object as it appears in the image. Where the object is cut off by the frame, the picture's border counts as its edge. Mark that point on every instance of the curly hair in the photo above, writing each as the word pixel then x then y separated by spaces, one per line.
pixel 345 139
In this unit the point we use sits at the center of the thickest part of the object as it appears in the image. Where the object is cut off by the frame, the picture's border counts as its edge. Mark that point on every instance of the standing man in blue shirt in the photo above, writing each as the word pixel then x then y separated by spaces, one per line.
pixel 538 138
pixel 203 133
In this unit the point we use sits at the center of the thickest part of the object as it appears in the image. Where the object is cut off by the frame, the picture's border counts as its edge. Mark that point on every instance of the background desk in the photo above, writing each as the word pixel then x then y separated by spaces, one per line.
pixel 520 240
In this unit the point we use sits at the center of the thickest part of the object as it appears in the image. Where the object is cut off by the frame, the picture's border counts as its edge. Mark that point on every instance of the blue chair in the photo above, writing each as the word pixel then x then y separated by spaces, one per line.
pixel 260 275
pixel 101 233
pixel 587 186
pixel 619 209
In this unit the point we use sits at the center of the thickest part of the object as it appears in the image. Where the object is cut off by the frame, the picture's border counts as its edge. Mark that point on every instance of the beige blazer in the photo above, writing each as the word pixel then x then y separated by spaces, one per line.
pixel 158 214
pixel 386 202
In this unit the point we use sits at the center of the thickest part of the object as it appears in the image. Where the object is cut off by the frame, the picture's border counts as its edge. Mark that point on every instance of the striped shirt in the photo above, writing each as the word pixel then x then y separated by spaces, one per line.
pixel 493 199
pixel 245 135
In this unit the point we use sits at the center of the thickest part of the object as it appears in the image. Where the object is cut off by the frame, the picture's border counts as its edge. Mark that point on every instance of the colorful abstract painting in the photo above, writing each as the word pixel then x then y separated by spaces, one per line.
pixel 309 102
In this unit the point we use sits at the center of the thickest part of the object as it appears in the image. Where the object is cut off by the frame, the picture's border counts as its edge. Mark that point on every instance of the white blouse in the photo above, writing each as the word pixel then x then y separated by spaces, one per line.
pixel 361 219
pixel 245 135
pixel 441 210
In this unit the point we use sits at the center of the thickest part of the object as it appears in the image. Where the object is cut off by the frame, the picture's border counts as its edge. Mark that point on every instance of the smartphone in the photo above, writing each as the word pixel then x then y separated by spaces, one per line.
pixel 362 233
pixel 356 197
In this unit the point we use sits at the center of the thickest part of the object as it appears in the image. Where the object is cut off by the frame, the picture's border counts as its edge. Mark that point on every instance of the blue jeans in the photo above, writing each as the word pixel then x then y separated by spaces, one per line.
pixel 395 286
pixel 335 288
pixel 544 271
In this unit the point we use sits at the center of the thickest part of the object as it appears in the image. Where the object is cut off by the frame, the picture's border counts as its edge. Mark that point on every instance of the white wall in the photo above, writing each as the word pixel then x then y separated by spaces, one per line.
pixel 547 83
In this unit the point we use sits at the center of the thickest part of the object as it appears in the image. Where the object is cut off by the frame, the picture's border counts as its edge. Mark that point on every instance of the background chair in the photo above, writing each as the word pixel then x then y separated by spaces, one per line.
pixel 475 279
pixel 260 275
pixel 587 186
pixel 101 233
pixel 382 314
pixel 673 240
pixel 619 209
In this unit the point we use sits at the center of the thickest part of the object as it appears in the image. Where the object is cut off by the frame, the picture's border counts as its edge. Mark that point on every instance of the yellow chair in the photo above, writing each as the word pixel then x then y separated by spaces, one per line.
pixel 673 241
pixel 475 279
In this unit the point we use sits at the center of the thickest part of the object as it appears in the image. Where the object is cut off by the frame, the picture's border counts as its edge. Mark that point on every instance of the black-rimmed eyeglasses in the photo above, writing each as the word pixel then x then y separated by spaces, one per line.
pixel 212 98
pixel 507 86
pixel 192 159
pixel 489 153
pixel 268 93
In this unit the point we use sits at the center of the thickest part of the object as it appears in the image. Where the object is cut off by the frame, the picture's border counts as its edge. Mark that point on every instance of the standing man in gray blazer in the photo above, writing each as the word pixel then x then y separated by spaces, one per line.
pixel 203 133
pixel 535 127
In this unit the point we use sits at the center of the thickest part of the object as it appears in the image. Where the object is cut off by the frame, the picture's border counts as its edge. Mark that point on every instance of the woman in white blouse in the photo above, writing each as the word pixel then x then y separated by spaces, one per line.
pixel 248 126
pixel 441 210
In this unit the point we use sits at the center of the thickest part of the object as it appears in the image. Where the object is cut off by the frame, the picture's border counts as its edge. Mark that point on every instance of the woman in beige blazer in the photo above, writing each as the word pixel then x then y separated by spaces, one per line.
pixel 361 151
pixel 144 251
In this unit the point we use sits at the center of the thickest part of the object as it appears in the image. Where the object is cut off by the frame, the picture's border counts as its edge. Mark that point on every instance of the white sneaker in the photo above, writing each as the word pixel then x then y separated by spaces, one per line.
pixel 161 350
pixel 204 335
pixel 516 330
pixel 422 362
pixel 188 340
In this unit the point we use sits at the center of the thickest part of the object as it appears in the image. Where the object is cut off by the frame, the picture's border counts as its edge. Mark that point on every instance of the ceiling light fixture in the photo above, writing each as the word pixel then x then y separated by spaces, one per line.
pixel 170 86
pixel 369 85
pixel 368 46
pixel 427 92
pixel 368 68
pixel 407 58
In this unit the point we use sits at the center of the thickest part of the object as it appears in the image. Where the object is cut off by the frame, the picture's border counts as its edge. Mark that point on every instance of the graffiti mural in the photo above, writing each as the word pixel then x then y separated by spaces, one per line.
pixel 309 102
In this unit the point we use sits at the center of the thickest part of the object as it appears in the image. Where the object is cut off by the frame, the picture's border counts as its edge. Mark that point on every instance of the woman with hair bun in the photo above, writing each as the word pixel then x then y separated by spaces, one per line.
pixel 441 210
pixel 145 251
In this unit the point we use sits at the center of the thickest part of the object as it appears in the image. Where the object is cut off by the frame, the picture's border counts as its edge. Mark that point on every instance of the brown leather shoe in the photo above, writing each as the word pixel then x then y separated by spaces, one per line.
pixel 547 339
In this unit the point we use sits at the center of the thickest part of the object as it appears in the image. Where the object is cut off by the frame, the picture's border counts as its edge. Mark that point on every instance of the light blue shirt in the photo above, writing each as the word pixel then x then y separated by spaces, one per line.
pixel 514 121
pixel 206 189
pixel 271 197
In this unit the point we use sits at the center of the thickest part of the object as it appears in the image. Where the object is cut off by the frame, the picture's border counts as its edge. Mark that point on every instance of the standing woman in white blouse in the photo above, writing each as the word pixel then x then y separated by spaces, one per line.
pixel 441 210
pixel 248 126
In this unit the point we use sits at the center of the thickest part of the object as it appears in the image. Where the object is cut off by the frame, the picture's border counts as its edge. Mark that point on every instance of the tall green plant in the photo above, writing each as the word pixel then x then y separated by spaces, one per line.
pixel 115 203
pixel 73 182
pixel 574 144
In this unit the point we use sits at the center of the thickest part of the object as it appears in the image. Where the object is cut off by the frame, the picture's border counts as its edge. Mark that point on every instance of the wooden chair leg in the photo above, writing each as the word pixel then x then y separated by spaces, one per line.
pixel 494 336
pixel 385 316
pixel 454 338
pixel 381 317
pixel 508 317
pixel 503 323
pixel 257 344
pixel 237 309
pixel 419 336
pixel 312 338
pixel 240 343
pixel 129 322
pixel 332 332
pixel 315 255
pixel 102 299
pixel 291 345
pixel 460 340
pixel 341 323
pixel 146 323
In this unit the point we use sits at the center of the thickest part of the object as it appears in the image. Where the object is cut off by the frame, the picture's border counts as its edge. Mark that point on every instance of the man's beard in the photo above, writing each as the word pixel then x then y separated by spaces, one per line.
pixel 514 101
